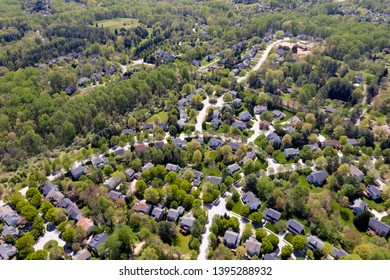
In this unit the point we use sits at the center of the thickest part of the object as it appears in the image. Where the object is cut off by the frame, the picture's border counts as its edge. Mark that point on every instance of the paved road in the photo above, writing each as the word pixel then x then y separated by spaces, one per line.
pixel 202 113
pixel 49 235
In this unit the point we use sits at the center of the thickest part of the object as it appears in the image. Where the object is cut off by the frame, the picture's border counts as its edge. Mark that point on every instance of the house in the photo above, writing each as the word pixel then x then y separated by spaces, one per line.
pixel 148 127
pixel 114 195
pixel 239 125
pixel 112 69
pixel 119 152
pixel 259 109
pixel 359 206
pixel 264 125
pixel 373 192
pixel 97 240
pixel 216 114
pixel 209 57
pixel 338 253
pixel 230 239
pixel 47 188
pixel 157 214
pixel 181 210
pixel 317 178
pixel 271 257
pixel 130 174
pixel 356 172
pixel 213 179
pixel 291 153
pixel 164 126
pixel 159 144
pixel 233 168
pixel 147 166
pixel 78 172
pixel 216 122
pixel 295 227
pixel 74 213
pixel 329 110
pixel 173 215
pixel 353 142
pixel 200 140
pixel 172 167
pixel 180 143
pixel 271 215
pixel 99 161
pixel 237 103
pixel 196 63
pixel 294 120
pixel 332 143
pixel 186 223
pixel 314 243
pixel 65 202
pixel 233 93
pixel 250 200
pixel 289 129
pixel 378 227
pixel 70 89
pixel 274 137
pixel 137 175
pixel 314 147
pixel 234 146
pixel 82 255
pixel 250 155
pixel 252 247
pixel 10 230
pixel 55 197
pixel 140 147
pixel 214 143
pixel 142 207
pixel 7 251
pixel 245 116
pixel 112 183
pixel 82 81
pixel 86 224
pixel 278 114
pixel 128 131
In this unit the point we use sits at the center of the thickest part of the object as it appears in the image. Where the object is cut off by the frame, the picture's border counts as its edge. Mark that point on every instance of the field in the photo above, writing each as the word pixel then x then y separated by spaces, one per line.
pixel 161 117
pixel 118 23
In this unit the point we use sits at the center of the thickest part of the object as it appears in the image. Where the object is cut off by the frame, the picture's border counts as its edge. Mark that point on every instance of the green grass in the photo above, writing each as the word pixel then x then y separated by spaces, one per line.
pixel 288 237
pixel 161 117
pixel 302 181
pixel 288 114
pixel 270 226
pixel 372 204
pixel 237 206
pixel 118 23
pixel 182 241
pixel 323 133
pixel 286 97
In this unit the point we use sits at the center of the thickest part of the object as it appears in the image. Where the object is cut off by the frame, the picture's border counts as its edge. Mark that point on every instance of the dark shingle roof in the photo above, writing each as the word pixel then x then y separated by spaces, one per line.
pixel 295 226
pixel 173 215
pixel 213 179
pixel 230 238
pixel 97 240
pixel 233 168
pixel 379 227
pixel 272 215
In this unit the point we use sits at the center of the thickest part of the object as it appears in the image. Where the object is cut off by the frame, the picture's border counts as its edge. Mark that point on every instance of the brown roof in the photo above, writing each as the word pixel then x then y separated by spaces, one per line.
pixel 85 223
pixel 332 143
pixel 142 207
pixel 141 147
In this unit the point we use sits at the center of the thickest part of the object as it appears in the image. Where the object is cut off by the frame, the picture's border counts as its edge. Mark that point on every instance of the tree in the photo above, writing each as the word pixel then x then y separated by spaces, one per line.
pixel 24 245
pixel 249 167
pixel 286 141
pixel 68 235
pixel 361 220
pixel 280 226
pixel 273 239
pixel 38 255
pixel 246 233
pixel 260 234
pixel 286 252
pixel 223 253
pixel 363 250
pixel 167 231
pixel 197 157
pixel 149 253
pixel 152 195
pixel 256 217
pixel 299 242
pixel 140 187
pixel 266 247
pixel 240 253
pixel 29 212
pixel 56 215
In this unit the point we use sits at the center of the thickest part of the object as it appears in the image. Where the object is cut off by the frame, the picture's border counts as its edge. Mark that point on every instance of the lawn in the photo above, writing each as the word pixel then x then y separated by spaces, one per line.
pixel 288 114
pixel 118 23
pixel 289 237
pixel 182 241
pixel 270 226
pixel 161 117
pixel 302 181
pixel 286 97
pixel 372 204
pixel 237 206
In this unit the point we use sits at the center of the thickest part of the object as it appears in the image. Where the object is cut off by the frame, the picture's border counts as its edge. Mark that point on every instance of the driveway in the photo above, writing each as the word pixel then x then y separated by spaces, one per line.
pixel 54 234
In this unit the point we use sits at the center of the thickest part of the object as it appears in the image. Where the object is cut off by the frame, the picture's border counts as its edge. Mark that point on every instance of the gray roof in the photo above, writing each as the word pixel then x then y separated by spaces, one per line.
pixel 181 210
pixel 233 168
pixel 147 166
pixel 278 114
pixel 186 222
pixel 359 205
pixel 294 226
pixel 291 152
pixel 173 215
pixel 317 177
pixel 215 142
pixel 10 230
pixel 7 251
pixel 230 238
pixel 373 191
pixel 314 242
pixel 47 188
pixel 114 195
pixel 259 109
pixel 271 215
pixel 252 246
pixel 65 202
pixel 294 120
pixel 213 179
pixel 97 240
pixel 157 213
pixel 172 167
pixel 180 143
pixel 354 171
pixel 98 161
pixel 82 255
pixel 130 173
pixel 112 183
pixel 74 213
pixel 353 141
pixel 379 227
pixel 78 171
pixel 338 253
pixel 250 155
pixel 249 198
pixel 234 146
pixel 240 125
pixel 314 147
pixel 289 129
pixel 274 137
pixel 8 215
pixel 55 196
pixel 271 257
pixel 245 116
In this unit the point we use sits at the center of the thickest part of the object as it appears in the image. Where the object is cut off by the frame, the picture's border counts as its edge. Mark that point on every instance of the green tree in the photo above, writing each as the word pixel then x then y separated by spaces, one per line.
pixel 299 242
pixel 286 252
pixel 149 254
pixel 24 245
pixel 68 235
pixel 167 231
pixel 260 234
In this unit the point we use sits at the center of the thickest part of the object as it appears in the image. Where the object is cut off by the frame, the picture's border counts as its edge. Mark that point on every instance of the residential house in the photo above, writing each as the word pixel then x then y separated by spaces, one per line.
pixel 181 210
pixel 216 122
pixel 230 239
pixel 214 143
pixel 237 103
pixel 271 257
pixel 141 147
pixel 114 195
pixel 159 144
pixel 278 114
pixel 78 172
pixel 147 166
pixel 55 197
pixel 172 167
pixel 338 253
pixel 148 127
pixel 200 140
pixel 74 213
pixel 7 251
pixel 314 147
pixel 112 183
pixel 173 215
pixel 271 215
pixel 157 214
pixel 97 240
pixel 264 125
pixel 82 255
pixel 82 81
pixel 353 142
pixel 359 206
pixel 213 179
pixel 196 63
pixel 142 207
pixel 130 174
pixel 289 129
pixel 295 227
pixel 245 116
pixel 234 146
pixel 291 153
pixel 186 223
pixel 252 247
pixel 47 188
pixel 70 89
pixel 332 143
pixel 86 224
pixel 250 155
pixel 209 57
pixel 164 126
pixel 259 109
pixel 10 230
pixel 250 200
pixel 233 93
pixel 99 161
pixel 329 110
pixel 180 143
pixel 314 243
pixel 216 114
pixel 239 125
pixel 356 172
pixel 378 227
pixel 294 120
pixel 373 192
pixel 233 168
pixel 119 151
pixel 128 131
pixel 65 202
pixel 317 178
pixel 274 137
